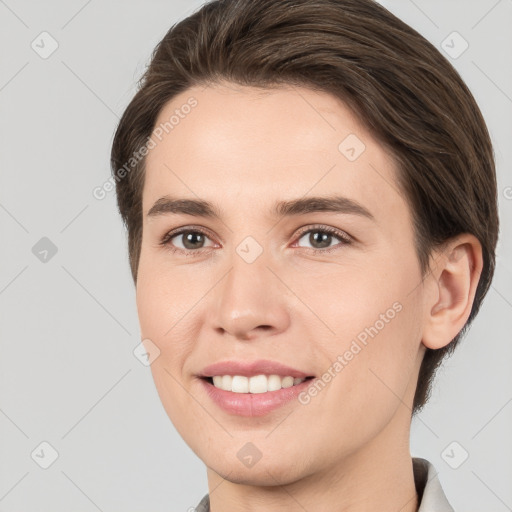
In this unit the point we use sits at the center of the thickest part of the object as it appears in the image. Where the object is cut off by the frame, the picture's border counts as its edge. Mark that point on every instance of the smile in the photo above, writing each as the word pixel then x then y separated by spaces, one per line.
pixel 247 403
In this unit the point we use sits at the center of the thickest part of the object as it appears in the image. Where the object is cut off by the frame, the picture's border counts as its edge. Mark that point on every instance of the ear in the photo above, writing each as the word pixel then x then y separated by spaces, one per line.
pixel 451 288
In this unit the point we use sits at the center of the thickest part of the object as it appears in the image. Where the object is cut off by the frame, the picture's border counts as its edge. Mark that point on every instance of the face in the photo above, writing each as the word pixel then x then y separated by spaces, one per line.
pixel 264 280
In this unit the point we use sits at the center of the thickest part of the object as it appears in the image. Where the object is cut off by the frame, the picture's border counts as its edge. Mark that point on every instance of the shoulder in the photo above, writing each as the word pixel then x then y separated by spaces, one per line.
pixel 430 492
pixel 204 504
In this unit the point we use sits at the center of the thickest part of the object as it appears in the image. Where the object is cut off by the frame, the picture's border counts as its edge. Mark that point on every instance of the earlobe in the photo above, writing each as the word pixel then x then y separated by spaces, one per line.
pixel 452 287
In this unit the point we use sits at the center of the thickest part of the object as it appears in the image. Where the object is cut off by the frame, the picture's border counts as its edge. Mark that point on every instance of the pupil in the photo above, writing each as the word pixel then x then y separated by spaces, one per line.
pixel 191 240
pixel 324 238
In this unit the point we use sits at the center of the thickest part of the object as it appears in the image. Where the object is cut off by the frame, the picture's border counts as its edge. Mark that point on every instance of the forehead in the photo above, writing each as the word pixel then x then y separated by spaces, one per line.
pixel 256 144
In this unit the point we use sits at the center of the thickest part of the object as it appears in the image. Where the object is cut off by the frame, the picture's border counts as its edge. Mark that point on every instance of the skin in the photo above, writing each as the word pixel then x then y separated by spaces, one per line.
pixel 242 149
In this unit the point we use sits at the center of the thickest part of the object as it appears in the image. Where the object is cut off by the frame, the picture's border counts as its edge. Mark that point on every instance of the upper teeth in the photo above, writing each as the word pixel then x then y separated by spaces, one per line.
pixel 256 384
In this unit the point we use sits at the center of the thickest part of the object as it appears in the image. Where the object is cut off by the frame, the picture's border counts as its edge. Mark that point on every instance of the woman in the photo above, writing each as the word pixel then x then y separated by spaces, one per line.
pixel 310 197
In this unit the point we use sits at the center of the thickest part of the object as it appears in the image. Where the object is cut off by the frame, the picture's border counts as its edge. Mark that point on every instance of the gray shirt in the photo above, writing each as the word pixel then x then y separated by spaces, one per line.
pixel 430 493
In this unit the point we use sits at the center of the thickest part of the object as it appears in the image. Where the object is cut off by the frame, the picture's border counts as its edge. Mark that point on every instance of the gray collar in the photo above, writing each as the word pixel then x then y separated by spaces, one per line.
pixel 430 493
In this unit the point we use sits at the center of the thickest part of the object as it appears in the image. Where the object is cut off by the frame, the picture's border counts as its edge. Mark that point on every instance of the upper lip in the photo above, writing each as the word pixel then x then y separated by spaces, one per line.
pixel 251 368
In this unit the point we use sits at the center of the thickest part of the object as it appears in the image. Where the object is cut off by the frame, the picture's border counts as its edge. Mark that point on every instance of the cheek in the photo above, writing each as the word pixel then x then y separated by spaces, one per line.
pixel 380 380
pixel 164 295
pixel 164 305
pixel 375 314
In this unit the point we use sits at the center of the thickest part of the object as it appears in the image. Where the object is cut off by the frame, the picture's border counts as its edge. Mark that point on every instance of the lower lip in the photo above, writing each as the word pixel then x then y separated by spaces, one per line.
pixel 253 404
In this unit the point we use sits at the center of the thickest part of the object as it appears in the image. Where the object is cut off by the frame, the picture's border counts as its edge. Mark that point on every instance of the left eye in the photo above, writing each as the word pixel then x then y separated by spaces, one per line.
pixel 322 238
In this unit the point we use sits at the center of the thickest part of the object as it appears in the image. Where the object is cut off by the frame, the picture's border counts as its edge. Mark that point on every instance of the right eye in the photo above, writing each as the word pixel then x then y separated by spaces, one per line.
pixel 188 241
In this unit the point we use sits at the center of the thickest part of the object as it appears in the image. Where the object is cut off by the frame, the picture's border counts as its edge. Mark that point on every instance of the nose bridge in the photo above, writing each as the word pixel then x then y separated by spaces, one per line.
pixel 249 299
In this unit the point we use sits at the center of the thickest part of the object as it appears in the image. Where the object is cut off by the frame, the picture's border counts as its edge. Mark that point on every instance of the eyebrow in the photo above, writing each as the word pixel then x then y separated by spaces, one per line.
pixel 201 208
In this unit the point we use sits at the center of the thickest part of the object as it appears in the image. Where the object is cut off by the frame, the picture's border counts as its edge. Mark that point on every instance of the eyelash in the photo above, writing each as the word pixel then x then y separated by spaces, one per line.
pixel 344 239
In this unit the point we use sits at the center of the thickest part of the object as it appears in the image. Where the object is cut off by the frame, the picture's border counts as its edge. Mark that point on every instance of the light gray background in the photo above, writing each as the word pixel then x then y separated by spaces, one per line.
pixel 68 326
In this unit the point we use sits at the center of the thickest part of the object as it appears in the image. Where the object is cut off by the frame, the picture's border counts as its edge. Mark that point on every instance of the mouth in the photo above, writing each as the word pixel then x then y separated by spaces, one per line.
pixel 257 395
pixel 253 388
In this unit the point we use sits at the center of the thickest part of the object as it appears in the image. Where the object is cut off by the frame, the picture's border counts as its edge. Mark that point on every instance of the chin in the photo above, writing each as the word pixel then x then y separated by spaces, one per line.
pixel 267 471
pixel 263 475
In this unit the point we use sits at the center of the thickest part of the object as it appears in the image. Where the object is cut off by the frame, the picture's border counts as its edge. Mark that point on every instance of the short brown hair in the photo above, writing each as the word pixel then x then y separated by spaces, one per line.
pixel 404 91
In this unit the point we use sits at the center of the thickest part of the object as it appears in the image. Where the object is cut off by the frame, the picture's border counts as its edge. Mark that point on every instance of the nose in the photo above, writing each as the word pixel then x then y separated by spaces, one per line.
pixel 250 302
